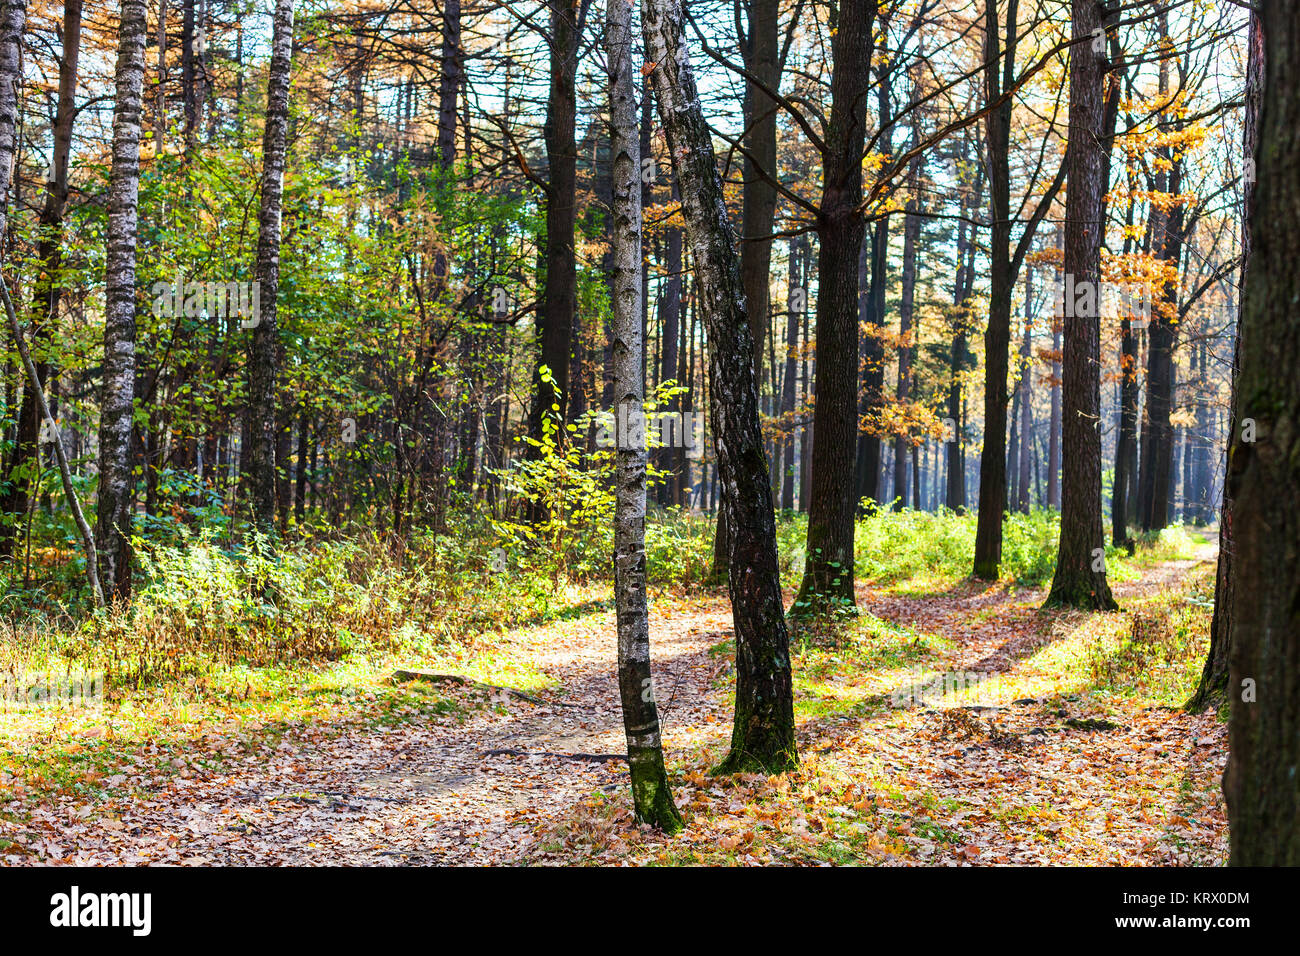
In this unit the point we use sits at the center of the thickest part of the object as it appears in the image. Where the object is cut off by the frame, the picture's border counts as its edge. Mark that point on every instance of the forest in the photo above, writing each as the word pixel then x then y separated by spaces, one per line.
pixel 722 432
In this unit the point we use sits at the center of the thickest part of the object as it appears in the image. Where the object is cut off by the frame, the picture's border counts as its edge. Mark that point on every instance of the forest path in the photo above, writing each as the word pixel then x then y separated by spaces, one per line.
pixel 462 787
pixel 476 783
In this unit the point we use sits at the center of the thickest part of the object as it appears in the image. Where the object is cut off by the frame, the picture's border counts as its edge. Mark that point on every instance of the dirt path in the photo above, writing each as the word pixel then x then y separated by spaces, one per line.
pixel 475 785
pixel 461 788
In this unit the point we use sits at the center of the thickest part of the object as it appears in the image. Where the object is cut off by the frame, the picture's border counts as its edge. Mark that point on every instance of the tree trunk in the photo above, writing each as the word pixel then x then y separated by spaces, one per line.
pixel 873 276
pixel 805 390
pixel 1026 398
pixel 758 203
pixel 959 357
pixel 189 84
pixel 116 481
pixel 828 570
pixel 48 287
pixel 796 302
pixel 560 290
pixel 998 71
pixel 1261 784
pixel 758 200
pixel 1126 440
pixel 670 315
pixel 906 348
pixel 1212 691
pixel 763 735
pixel 260 438
pixel 651 795
pixel 449 83
pixel 1080 579
pixel 1157 457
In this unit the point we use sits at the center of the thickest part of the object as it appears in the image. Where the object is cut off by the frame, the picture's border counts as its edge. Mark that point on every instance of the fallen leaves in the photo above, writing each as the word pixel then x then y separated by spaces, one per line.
pixel 387 776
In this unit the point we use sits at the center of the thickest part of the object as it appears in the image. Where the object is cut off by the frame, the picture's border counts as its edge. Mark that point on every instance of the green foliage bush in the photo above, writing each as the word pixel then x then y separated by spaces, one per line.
pixel 905 545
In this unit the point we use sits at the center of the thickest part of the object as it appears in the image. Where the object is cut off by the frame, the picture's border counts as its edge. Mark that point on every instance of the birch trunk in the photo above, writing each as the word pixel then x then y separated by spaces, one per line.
pixel 116 482
pixel 650 791
pixel 763 734
pixel 260 434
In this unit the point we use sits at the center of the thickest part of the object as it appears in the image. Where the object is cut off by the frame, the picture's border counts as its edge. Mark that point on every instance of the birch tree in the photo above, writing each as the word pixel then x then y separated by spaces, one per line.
pixel 650 792
pixel 116 480
pixel 763 734
pixel 259 462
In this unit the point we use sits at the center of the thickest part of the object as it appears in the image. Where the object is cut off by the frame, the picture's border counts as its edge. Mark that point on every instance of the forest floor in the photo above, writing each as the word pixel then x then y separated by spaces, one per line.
pixel 1061 742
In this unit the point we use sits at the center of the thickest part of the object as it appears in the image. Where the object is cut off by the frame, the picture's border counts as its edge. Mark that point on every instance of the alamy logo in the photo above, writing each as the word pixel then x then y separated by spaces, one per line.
pixel 216 300
pixel 930 690
pixel 74 909
pixel 630 428
pixel 1086 299
pixel 80 690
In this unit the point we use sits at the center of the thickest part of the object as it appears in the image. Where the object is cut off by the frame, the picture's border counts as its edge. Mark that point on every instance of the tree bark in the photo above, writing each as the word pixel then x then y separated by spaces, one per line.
pixel 1157 453
pixel 651 794
pixel 1026 398
pixel 1262 785
pixel 998 73
pixel 828 569
pixel 1212 690
pixel 763 734
pixel 560 289
pixel 449 82
pixel 960 358
pixel 1080 579
pixel 906 348
pixel 116 481
pixel 1126 440
pixel 873 276
pixel 260 438
pixel 796 302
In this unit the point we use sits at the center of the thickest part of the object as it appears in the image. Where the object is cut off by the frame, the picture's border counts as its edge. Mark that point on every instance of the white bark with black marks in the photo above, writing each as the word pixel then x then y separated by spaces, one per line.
pixel 116 481
pixel 650 793
pixel 259 420
pixel 763 734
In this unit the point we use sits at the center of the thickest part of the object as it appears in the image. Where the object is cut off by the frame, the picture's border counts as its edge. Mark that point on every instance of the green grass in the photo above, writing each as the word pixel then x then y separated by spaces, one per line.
pixel 1152 651
pixel 921 552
